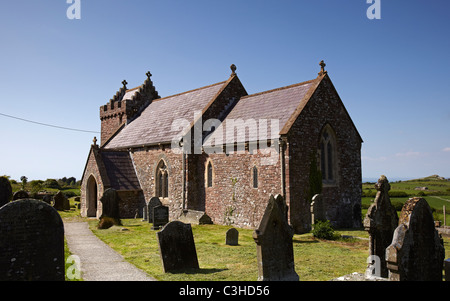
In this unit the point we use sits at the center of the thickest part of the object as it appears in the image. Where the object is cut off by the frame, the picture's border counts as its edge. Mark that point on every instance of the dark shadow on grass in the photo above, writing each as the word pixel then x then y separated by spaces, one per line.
pixel 304 241
pixel 198 271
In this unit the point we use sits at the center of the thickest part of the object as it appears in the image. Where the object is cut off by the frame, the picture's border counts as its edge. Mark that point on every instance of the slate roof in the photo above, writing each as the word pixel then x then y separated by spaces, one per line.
pixel 251 111
pixel 120 170
pixel 154 125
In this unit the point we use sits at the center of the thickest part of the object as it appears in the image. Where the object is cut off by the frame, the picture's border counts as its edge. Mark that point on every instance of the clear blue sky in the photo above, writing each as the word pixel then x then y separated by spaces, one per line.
pixel 390 73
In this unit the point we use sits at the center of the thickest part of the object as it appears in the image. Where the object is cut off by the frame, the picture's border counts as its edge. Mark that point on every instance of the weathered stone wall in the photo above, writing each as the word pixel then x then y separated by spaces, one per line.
pixel 342 200
pixel 146 160
pixel 91 170
pixel 232 199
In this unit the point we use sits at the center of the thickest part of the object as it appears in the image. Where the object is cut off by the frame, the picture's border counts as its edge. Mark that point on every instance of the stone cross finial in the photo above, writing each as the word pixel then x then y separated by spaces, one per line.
pixel 95 140
pixel 124 83
pixel 322 68
pixel 148 74
pixel 233 69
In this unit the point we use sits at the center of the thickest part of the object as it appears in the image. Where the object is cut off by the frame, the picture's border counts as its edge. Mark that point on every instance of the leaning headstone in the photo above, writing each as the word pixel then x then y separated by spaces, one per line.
pixel 381 221
pixel 274 248
pixel 416 252
pixel 177 247
pixel 5 191
pixel 61 202
pixel 154 201
pixel 160 217
pixel 110 204
pixel 194 217
pixel 232 237
pixel 21 194
pixel 31 242
pixel 317 210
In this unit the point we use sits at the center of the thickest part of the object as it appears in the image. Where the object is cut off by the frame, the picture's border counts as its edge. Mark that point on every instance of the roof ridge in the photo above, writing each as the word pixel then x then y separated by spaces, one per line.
pixel 280 88
pixel 190 91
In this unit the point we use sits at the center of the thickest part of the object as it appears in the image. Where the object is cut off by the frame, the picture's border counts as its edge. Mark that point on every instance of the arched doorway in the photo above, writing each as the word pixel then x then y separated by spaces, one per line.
pixel 91 197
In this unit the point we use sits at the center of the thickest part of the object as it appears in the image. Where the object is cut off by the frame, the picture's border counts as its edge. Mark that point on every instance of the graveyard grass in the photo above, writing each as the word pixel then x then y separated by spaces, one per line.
pixel 315 259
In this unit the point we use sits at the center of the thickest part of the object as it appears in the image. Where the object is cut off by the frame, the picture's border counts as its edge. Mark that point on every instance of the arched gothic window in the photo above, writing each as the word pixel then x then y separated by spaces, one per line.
pixel 162 180
pixel 327 149
pixel 255 177
pixel 209 174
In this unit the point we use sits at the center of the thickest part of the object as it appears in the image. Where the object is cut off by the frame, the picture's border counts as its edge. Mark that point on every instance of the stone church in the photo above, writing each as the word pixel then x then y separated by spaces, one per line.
pixel 221 152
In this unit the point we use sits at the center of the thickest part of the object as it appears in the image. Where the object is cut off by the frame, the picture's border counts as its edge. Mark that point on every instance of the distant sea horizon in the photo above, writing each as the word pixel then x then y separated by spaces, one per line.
pixel 394 179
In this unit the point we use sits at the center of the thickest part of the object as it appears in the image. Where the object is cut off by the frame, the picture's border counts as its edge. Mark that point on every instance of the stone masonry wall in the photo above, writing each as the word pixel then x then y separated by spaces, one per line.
pixel 146 160
pixel 342 201
pixel 232 199
pixel 91 170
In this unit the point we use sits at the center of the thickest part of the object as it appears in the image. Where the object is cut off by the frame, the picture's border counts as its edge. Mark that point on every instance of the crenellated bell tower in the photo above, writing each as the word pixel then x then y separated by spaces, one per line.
pixel 125 106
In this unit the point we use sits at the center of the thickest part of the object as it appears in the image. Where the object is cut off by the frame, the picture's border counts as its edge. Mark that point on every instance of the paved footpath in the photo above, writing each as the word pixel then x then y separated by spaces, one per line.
pixel 98 261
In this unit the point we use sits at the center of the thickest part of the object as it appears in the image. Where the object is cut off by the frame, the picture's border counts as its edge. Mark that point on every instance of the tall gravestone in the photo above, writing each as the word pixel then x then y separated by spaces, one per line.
pixel 273 239
pixel 416 252
pixel 154 202
pixel 110 204
pixel 31 242
pixel 381 221
pixel 5 191
pixel 177 247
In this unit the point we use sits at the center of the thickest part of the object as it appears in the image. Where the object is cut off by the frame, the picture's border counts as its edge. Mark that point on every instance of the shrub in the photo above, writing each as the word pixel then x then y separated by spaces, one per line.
pixel 398 194
pixel 324 230
pixel 397 205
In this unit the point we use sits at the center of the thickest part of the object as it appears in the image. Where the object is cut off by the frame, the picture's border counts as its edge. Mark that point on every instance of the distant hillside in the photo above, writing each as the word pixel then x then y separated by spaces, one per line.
pixel 432 185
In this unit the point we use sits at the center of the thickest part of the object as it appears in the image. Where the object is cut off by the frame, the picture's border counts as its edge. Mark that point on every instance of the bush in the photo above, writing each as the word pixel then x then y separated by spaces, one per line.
pixel 398 194
pixel 51 183
pixel 324 230
pixel 397 205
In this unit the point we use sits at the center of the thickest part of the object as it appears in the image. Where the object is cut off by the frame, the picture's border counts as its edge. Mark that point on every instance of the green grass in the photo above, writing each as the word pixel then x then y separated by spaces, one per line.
pixel 314 259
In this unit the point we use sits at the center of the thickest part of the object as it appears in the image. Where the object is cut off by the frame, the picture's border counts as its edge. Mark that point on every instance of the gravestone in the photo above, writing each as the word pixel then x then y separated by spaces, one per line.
pixel 21 194
pixel 177 247
pixel 145 213
pixel 232 237
pixel 48 198
pixel 317 210
pixel 381 221
pixel 195 217
pixel 154 201
pixel 447 269
pixel 61 202
pixel 31 242
pixel 110 204
pixel 160 217
pixel 416 252
pixel 5 191
pixel 274 248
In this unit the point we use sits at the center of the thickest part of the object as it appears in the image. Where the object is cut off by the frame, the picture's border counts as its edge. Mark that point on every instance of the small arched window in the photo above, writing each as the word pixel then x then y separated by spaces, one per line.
pixel 327 149
pixel 255 177
pixel 209 175
pixel 162 180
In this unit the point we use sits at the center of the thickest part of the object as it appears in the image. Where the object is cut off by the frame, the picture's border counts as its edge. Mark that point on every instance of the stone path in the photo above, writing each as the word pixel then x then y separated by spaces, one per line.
pixel 98 261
